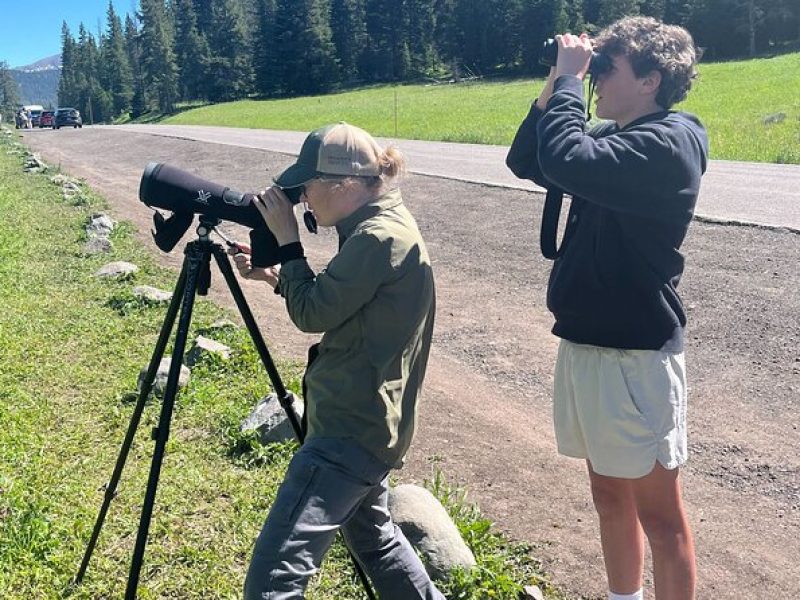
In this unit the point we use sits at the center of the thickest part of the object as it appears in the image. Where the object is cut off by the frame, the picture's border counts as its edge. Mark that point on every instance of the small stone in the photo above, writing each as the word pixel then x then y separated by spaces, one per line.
pixel 98 245
pixel 116 269
pixel 531 592
pixel 160 381
pixel 151 295
pixel 270 421
pixel 204 345
pixel 100 225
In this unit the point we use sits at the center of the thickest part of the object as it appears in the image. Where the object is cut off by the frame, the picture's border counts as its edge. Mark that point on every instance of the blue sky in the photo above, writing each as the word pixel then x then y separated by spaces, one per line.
pixel 30 31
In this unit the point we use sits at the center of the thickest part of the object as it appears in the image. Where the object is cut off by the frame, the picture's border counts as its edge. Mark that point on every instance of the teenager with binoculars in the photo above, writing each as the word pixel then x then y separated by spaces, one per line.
pixel 620 386
pixel 374 304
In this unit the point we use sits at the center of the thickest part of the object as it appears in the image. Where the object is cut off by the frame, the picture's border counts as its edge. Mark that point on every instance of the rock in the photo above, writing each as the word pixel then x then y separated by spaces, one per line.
pixel 70 187
pixel 270 420
pixel 100 225
pixel 222 324
pixel 429 528
pixel 151 295
pixel 160 382
pixel 33 164
pixel 116 269
pixel 98 245
pixel 774 118
pixel 63 180
pixel 531 592
pixel 204 345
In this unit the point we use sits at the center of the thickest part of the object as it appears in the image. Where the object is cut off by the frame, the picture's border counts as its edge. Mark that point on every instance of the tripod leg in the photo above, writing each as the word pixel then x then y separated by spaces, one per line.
pixel 194 258
pixel 261 347
pixel 283 396
pixel 147 385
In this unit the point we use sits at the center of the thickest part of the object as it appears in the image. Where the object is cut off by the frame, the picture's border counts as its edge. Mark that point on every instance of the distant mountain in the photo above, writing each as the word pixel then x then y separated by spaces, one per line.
pixel 51 62
pixel 38 82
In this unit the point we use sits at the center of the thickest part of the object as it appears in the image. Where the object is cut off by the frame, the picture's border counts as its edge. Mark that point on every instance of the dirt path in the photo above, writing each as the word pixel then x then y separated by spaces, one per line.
pixel 486 418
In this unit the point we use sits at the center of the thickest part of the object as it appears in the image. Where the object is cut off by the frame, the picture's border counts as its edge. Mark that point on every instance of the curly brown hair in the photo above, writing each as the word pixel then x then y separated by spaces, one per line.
pixel 652 45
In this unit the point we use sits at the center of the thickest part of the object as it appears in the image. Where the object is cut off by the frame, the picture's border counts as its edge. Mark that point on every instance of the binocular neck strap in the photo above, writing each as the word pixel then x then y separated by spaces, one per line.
pixel 550 216
pixel 592 86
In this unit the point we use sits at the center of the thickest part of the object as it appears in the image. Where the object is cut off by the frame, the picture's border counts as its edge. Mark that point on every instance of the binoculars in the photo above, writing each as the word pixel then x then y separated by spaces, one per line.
pixel 599 64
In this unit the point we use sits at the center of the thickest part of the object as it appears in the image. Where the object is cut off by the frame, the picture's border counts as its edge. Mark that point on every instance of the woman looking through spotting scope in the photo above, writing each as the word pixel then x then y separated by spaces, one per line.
pixel 374 304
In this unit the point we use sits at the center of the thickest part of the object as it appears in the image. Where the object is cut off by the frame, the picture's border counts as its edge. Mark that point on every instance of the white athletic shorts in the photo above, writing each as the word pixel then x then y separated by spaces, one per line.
pixel 621 409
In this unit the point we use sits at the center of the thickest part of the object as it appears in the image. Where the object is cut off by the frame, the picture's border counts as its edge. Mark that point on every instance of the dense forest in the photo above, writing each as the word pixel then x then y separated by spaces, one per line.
pixel 217 50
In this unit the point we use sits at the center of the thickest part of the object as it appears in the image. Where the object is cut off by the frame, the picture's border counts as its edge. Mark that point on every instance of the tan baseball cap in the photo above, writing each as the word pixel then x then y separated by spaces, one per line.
pixel 338 149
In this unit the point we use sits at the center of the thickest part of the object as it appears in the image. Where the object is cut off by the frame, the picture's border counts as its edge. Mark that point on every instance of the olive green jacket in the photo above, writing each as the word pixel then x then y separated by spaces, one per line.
pixel 375 304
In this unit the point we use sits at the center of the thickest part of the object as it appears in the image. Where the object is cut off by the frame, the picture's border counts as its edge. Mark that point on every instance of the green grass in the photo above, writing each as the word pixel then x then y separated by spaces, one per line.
pixel 732 99
pixel 71 347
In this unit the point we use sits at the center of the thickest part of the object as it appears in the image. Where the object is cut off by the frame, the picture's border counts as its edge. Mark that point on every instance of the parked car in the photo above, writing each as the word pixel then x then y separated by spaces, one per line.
pixel 46 118
pixel 36 114
pixel 66 117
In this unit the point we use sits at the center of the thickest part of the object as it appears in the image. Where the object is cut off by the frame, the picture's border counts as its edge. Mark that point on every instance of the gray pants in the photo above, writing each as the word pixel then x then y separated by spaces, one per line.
pixel 331 484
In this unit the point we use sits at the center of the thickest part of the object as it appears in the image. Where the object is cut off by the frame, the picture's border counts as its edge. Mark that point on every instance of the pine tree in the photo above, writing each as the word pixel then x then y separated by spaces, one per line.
pixel 654 8
pixel 349 33
pixel 192 53
pixel 483 28
pixel 421 36
pixel 306 54
pixel 388 56
pixel 265 50
pixel 159 72
pixel 613 10
pixel 230 70
pixel 542 20
pixel 679 12
pixel 93 100
pixel 115 72
pixel 139 100
pixel 9 92
pixel 67 86
pixel 203 10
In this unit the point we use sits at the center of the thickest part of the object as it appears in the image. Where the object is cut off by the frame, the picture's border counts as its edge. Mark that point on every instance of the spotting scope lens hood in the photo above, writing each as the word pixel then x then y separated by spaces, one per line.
pixel 183 193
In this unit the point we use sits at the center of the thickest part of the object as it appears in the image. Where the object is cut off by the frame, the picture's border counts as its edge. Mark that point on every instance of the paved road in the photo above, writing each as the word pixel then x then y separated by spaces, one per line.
pixel 763 194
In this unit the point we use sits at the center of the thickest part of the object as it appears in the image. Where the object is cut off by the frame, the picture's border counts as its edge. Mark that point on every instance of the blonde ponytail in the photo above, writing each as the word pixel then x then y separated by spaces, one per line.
pixel 393 163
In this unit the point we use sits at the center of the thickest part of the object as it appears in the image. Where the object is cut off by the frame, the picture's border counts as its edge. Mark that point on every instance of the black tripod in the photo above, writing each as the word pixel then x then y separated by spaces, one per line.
pixel 195 278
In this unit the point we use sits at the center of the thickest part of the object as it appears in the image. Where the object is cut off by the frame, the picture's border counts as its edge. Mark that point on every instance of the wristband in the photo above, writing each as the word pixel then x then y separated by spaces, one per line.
pixel 291 251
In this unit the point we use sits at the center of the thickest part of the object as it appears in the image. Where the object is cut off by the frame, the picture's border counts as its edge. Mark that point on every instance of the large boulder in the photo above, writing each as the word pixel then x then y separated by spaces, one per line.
pixel 426 524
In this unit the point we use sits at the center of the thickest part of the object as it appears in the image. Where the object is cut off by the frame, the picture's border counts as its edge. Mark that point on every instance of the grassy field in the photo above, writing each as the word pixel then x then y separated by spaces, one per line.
pixel 733 100
pixel 71 347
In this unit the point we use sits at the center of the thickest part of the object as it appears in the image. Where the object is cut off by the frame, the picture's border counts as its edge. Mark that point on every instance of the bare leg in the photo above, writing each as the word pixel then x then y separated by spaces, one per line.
pixel 620 532
pixel 661 513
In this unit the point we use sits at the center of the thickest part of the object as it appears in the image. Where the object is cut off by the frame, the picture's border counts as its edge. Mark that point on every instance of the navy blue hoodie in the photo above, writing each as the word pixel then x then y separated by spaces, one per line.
pixel 634 191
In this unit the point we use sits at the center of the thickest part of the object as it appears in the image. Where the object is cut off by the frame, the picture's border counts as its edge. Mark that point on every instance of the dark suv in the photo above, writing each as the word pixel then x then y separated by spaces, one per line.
pixel 66 117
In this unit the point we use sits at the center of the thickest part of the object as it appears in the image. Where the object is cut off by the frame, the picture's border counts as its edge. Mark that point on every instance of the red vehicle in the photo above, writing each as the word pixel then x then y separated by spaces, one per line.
pixel 47 118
